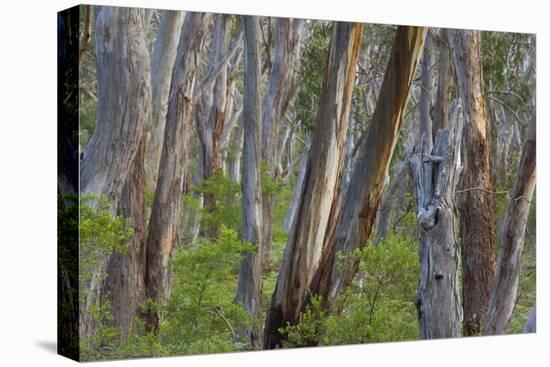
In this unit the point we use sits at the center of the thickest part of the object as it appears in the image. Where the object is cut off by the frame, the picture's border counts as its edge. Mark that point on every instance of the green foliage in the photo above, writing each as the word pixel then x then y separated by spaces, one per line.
pixel 203 292
pixel 503 57
pixel 101 234
pixel 378 307
pixel 226 194
pixel 311 74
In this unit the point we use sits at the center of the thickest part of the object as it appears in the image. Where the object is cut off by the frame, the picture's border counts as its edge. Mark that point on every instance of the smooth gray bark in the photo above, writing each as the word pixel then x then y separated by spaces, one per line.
pixel 249 283
pixel 162 63
pixel 531 324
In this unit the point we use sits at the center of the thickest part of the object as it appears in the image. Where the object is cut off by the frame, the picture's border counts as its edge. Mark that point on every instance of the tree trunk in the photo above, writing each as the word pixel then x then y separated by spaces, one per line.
pixel 298 189
pixel 441 108
pixel 435 173
pixel 388 203
pixel 123 69
pixel 216 103
pixel 425 100
pixel 352 227
pixel 476 201
pixel 531 324
pixel 125 284
pixel 249 283
pixel 319 196
pixel 212 120
pixel 164 55
pixel 166 210
pixel 280 90
pixel 235 153
pixel 505 287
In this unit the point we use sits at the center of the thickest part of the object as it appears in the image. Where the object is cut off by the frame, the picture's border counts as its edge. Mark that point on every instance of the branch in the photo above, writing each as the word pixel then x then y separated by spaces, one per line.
pixel 217 311
pixel 214 72
pixel 482 189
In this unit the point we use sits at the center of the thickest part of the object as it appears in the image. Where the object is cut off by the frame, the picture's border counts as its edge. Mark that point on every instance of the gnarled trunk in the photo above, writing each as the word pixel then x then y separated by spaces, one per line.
pixel 319 196
pixel 435 173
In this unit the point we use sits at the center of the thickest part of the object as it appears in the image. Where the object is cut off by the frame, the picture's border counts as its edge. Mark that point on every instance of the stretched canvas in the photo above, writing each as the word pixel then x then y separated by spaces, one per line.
pixel 236 183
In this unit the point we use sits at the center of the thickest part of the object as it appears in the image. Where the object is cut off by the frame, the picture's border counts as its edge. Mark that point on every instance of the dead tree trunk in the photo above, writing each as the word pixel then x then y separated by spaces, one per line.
pixel 435 173
pixel 166 210
pixel 280 90
pixel 162 62
pixel 319 196
pixel 505 287
pixel 123 69
pixel 352 227
pixel 249 283
pixel 441 109
pixel 475 199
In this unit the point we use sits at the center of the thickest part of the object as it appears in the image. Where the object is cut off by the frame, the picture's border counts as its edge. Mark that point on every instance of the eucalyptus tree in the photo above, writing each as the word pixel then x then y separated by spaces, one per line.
pixel 475 196
pixel 123 70
pixel 505 287
pixel 162 62
pixel 281 88
pixel 249 283
pixel 165 214
pixel 351 227
pixel 319 196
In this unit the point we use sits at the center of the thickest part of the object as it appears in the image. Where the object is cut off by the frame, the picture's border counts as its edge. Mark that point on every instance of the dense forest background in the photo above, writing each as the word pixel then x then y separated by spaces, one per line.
pixel 255 183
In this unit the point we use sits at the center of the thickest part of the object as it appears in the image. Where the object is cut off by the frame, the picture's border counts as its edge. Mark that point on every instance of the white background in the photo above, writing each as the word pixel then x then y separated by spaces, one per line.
pixel 28 182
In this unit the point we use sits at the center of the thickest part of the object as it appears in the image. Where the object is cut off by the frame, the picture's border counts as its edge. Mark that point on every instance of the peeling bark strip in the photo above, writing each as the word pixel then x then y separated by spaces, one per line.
pixel 477 207
pixel 280 90
pixel 165 213
pixel 435 173
pixel 123 69
pixel 504 292
pixel 162 62
pixel 320 189
pixel 352 228
pixel 248 287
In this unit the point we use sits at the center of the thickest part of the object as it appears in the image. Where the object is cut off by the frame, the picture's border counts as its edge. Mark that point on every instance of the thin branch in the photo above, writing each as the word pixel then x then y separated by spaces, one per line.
pixel 211 76
pixel 217 311
pixel 482 189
